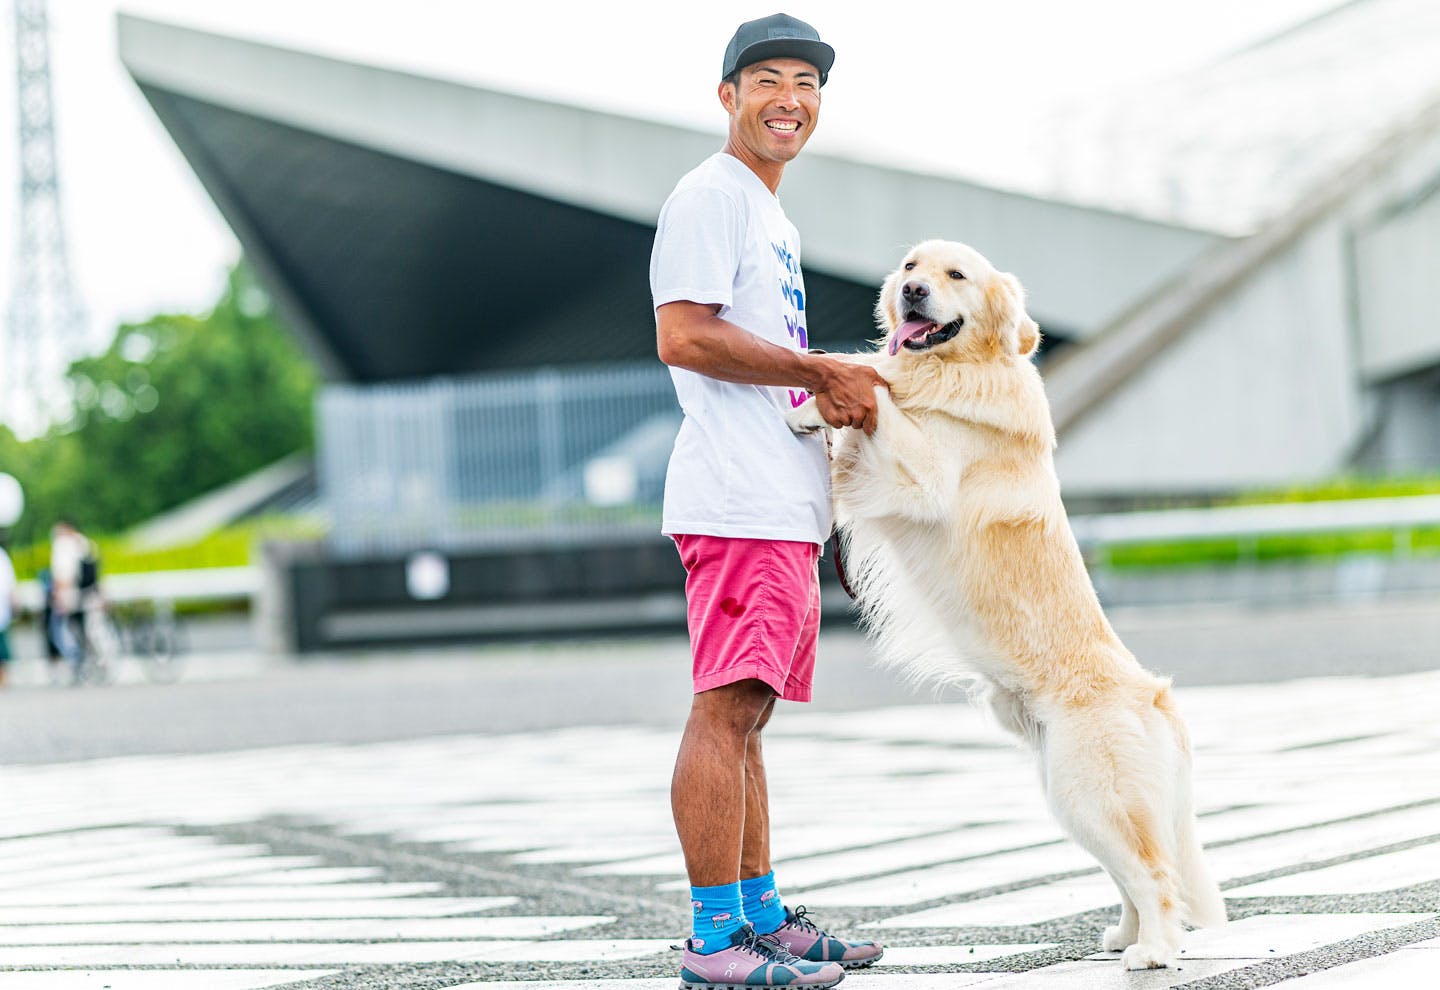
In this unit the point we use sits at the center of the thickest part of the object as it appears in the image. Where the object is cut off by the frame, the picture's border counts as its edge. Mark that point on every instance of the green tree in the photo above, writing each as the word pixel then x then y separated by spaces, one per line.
pixel 176 406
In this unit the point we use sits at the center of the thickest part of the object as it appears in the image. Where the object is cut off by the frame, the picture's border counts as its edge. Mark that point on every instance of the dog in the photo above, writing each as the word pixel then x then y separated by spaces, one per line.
pixel 965 570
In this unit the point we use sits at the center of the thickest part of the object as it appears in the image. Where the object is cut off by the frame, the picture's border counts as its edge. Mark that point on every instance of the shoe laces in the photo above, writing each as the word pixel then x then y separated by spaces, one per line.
pixel 768 947
pixel 801 920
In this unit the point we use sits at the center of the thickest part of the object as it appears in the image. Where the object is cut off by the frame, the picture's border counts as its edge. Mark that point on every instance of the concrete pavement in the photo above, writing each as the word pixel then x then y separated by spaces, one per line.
pixel 535 846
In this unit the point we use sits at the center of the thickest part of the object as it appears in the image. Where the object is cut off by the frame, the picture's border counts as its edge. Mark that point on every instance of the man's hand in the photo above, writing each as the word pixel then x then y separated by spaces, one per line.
pixel 845 394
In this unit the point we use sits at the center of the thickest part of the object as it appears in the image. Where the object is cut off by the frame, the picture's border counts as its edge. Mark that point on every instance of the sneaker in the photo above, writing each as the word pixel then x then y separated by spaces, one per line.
pixel 753 960
pixel 801 936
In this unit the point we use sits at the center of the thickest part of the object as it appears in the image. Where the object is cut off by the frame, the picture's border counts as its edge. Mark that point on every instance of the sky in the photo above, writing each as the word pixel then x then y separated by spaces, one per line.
pixel 144 237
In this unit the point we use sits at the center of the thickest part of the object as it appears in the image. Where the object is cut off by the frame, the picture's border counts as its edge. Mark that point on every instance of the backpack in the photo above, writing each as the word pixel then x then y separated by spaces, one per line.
pixel 89 572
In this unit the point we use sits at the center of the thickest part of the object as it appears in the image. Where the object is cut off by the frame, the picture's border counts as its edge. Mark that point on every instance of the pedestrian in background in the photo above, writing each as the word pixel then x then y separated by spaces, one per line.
pixel 53 655
pixel 7 611
pixel 72 562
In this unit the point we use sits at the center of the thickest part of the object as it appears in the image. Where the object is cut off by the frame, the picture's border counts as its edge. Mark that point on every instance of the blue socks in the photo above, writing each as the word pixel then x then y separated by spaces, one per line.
pixel 717 914
pixel 763 908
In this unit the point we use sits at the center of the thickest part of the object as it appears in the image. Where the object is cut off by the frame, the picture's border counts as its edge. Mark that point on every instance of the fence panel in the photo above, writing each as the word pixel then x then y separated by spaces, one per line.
pixel 544 456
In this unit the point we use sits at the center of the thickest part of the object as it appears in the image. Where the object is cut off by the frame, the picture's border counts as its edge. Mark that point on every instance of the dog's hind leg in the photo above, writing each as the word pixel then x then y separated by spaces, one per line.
pixel 1205 903
pixel 1099 792
pixel 1205 906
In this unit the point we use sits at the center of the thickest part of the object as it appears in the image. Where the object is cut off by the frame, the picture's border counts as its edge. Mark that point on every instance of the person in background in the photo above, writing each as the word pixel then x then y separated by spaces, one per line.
pixel 53 654
pixel 7 611
pixel 70 551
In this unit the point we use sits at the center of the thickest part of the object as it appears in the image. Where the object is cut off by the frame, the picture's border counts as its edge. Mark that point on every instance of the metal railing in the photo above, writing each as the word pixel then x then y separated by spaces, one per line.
pixel 543 456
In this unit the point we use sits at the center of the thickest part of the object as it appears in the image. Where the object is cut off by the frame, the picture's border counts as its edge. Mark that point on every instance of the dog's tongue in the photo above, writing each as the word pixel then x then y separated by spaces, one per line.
pixel 909 330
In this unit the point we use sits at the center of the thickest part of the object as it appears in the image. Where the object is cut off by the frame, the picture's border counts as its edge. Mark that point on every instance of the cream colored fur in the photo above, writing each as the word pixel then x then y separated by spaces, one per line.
pixel 966 570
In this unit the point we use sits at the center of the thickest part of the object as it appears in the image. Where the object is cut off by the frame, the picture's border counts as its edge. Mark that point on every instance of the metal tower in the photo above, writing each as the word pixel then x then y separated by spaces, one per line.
pixel 45 322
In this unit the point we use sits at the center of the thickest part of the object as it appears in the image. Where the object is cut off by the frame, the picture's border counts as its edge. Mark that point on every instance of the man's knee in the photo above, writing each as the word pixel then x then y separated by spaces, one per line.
pixel 739 708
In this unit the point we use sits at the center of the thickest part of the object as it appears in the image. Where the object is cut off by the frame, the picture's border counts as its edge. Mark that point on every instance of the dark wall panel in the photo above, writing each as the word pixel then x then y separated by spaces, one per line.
pixel 404 270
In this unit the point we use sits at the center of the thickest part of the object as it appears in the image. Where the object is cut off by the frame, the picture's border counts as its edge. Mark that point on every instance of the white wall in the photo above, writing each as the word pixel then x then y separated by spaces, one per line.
pixel 1262 391
pixel 1398 297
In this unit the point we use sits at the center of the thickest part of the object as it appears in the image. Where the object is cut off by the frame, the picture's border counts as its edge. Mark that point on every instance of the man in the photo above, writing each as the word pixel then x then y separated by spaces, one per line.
pixel 747 502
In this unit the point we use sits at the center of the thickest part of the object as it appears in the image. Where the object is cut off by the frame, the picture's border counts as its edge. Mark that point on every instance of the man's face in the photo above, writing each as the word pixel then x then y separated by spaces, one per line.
pixel 773 108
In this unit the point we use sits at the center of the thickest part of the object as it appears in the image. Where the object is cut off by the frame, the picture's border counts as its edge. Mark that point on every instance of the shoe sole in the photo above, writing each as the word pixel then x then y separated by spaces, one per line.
pixel 686 985
pixel 861 963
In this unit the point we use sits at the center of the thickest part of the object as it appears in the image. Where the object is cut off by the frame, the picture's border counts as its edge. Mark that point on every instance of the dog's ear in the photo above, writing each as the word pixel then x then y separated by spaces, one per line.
pixel 1029 336
pixel 885 306
pixel 1027 331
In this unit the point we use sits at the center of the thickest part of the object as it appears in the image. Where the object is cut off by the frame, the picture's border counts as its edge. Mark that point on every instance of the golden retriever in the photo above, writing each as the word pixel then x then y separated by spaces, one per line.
pixel 965 569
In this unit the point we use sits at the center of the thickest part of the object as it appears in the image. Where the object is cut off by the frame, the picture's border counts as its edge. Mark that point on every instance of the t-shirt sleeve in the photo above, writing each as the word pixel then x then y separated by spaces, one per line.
pixel 698 242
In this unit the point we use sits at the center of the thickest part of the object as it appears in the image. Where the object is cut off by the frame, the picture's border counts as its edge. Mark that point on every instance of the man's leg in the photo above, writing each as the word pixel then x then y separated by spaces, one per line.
pixel 755 848
pixel 722 817
pixel 709 791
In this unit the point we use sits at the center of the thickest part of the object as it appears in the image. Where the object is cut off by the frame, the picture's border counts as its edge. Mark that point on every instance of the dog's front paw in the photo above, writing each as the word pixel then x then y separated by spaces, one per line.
pixel 805 418
pixel 1118 938
pixel 1142 956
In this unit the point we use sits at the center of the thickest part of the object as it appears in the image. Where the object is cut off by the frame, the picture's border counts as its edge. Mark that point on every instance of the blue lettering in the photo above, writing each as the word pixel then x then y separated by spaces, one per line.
pixel 783 255
pixel 794 295
pixel 793 292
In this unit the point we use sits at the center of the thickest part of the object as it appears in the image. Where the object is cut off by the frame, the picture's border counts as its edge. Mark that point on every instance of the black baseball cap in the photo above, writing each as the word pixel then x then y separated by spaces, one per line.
pixel 777 36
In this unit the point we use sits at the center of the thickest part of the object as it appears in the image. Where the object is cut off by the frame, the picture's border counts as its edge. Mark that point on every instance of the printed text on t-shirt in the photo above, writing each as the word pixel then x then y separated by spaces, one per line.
pixel 792 287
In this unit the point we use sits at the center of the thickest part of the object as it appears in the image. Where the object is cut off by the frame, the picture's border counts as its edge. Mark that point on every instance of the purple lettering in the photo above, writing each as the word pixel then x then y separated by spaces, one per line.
pixel 797 330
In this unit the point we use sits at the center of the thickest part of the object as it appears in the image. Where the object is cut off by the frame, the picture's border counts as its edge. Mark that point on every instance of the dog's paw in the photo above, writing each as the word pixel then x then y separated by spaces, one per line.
pixel 1142 956
pixel 1118 938
pixel 804 419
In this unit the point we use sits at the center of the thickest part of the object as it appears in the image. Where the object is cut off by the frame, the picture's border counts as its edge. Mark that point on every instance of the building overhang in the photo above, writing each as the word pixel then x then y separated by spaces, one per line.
pixel 412 225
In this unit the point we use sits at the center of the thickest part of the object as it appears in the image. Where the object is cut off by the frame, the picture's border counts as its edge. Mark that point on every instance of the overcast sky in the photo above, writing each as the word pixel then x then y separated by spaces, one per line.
pixel 144 237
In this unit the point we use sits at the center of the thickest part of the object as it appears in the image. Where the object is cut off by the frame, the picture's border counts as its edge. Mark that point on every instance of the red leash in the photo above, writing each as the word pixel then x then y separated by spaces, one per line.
pixel 840 565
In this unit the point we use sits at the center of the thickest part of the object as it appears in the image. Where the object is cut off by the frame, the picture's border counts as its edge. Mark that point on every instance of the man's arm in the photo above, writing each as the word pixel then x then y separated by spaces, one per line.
pixel 691 336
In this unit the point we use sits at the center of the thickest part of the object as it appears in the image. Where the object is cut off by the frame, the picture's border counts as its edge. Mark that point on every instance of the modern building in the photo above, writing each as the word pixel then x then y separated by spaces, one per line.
pixel 1238 265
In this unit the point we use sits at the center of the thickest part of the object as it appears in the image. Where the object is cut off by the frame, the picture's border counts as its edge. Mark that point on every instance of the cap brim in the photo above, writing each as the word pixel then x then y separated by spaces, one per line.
pixel 817 53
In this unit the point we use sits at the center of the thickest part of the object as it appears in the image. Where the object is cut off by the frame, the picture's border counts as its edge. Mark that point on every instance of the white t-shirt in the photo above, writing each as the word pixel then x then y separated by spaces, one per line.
pixel 736 469
pixel 67 551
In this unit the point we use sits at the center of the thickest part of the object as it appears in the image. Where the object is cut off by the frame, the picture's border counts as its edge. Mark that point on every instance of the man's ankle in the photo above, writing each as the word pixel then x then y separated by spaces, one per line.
pixel 716 914
pixel 761 901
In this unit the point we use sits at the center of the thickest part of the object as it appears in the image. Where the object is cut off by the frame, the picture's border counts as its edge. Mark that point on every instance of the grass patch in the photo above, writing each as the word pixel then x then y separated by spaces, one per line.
pixel 233 546
pixel 1290 546
pixel 1301 546
pixel 1344 488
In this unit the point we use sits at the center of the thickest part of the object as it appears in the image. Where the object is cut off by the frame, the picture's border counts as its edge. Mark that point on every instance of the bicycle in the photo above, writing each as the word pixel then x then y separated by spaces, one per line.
pixel 146 631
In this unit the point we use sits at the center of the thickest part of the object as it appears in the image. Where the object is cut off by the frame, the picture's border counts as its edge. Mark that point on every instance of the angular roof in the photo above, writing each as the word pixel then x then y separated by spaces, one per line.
pixel 1234 144
pixel 338 136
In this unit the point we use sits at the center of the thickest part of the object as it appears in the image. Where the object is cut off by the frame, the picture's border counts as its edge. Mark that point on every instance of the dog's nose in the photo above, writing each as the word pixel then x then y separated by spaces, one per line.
pixel 913 291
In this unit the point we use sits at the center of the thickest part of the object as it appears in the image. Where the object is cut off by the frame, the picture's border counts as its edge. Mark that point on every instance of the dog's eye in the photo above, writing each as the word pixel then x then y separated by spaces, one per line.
pixel 909 265
pixel 957 276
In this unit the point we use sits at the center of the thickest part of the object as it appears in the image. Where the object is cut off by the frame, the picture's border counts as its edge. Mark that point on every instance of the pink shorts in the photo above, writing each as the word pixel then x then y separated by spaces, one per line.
pixel 754 611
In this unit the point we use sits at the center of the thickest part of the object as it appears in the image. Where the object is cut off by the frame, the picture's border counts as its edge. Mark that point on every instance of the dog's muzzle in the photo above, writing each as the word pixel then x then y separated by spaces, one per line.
pixel 917 333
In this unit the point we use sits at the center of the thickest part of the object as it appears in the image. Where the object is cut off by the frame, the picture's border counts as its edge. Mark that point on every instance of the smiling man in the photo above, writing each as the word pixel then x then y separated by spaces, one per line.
pixel 747 502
